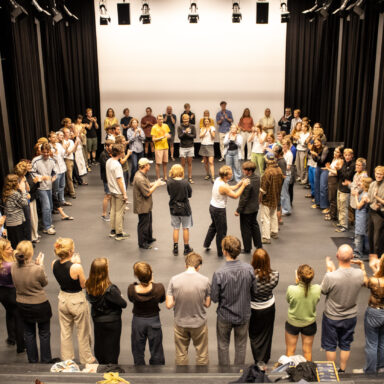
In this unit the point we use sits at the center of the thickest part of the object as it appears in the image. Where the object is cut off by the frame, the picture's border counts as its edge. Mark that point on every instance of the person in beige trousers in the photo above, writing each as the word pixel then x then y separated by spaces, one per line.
pixel 73 306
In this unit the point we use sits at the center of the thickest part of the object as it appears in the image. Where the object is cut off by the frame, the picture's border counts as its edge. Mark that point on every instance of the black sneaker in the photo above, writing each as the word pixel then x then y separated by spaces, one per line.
pixel 187 249
pixel 112 233
pixel 175 249
pixel 145 246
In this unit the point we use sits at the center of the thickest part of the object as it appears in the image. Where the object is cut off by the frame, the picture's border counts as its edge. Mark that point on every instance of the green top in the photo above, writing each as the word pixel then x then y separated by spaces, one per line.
pixel 302 310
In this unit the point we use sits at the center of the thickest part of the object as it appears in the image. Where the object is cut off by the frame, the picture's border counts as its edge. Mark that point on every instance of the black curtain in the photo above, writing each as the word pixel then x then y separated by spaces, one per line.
pixel 3 154
pixel 377 149
pixel 311 64
pixel 22 81
pixel 70 62
pixel 357 73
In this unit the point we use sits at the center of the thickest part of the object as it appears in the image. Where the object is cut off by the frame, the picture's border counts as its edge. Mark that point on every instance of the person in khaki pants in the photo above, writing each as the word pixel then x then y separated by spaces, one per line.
pixel 116 185
pixel 189 294
pixel 73 306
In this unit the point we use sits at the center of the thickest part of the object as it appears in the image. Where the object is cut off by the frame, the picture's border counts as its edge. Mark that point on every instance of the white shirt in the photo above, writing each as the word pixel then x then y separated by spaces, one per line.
pixel 58 155
pixel 257 147
pixel 218 200
pixel 301 145
pixel 69 149
pixel 288 157
pixel 114 171
pixel 207 138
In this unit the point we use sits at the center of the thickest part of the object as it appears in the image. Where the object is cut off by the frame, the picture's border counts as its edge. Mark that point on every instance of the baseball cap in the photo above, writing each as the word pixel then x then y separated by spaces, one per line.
pixel 144 161
pixel 270 156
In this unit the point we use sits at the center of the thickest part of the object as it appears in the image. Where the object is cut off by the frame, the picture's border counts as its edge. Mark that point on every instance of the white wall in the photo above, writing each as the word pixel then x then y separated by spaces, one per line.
pixel 170 62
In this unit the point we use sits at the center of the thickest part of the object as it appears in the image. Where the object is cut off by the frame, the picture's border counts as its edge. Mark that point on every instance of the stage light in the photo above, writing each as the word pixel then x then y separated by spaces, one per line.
pixel 145 17
pixel 285 15
pixel 342 10
pixel 357 7
pixel 105 19
pixel 236 15
pixel 69 14
pixel 39 8
pixel 310 13
pixel 57 16
pixel 16 10
pixel 324 10
pixel 193 17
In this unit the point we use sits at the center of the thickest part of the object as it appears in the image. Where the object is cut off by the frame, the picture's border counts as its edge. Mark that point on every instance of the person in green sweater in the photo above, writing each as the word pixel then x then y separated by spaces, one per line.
pixel 302 299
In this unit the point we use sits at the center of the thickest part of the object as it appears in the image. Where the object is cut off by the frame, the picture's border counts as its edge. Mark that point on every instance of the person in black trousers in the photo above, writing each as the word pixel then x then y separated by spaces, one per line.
pixel 107 304
pixel 248 208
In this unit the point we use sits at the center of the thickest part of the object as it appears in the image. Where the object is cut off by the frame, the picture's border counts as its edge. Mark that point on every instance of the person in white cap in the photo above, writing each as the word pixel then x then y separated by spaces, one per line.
pixel 142 202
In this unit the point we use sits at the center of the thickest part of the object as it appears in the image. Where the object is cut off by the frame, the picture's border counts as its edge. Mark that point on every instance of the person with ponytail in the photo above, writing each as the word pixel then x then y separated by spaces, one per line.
pixel 302 299
pixel 73 306
pixel 107 304
pixel 8 297
pixel 30 279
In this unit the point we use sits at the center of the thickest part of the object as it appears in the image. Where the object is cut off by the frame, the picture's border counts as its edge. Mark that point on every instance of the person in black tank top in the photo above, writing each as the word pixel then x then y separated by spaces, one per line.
pixel 73 306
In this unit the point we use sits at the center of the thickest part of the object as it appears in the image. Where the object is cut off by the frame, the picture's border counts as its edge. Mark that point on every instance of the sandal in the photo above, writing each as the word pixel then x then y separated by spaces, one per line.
pixel 308 195
pixel 67 218
pixel 207 177
pixel 327 217
pixel 191 181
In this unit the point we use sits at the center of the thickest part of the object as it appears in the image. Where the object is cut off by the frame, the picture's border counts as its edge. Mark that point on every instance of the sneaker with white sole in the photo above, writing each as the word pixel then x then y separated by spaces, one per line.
pixel 122 236
pixel 105 218
pixel 50 231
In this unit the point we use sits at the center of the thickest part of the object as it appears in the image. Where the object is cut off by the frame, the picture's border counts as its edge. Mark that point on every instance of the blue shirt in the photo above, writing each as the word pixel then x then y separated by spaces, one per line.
pixel 232 287
pixel 225 124
pixel 293 150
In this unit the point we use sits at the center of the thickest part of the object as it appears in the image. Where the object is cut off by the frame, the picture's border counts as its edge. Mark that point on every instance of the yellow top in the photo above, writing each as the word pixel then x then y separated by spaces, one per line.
pixel 109 121
pixel 157 132
pixel 210 119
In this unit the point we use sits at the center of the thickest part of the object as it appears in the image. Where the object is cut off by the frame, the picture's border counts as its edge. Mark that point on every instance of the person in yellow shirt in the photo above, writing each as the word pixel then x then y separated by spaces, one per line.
pixel 160 135
pixel 206 116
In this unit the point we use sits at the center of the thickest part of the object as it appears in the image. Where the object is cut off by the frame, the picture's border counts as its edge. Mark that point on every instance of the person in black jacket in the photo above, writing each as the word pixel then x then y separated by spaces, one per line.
pixel 248 208
pixel 344 176
pixel 107 304
pixel 104 156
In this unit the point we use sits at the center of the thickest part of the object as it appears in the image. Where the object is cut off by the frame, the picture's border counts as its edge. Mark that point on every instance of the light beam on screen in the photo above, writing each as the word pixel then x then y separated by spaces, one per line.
pixel 170 62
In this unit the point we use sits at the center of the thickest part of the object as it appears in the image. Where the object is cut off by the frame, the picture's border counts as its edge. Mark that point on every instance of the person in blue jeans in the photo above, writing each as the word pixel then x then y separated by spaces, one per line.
pixel 232 151
pixel 320 155
pixel 361 219
pixel 136 139
pixel 146 297
pixel 374 320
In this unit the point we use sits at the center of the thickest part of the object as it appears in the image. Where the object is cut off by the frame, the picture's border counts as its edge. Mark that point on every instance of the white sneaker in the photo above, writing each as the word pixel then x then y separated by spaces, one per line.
pixel 50 231
pixel 358 371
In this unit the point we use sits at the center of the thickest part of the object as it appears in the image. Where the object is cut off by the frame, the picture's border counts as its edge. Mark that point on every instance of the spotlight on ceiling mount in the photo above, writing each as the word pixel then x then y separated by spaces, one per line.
pixel 324 9
pixel 105 19
pixel 357 7
pixel 16 10
pixel 69 14
pixel 285 15
pixel 342 10
pixel 193 17
pixel 236 15
pixel 145 17
pixel 310 13
pixel 39 9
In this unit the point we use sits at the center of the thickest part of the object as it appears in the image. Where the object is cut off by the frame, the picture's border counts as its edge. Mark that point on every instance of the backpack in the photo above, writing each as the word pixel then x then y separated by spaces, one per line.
pixel 306 371
pixel 253 374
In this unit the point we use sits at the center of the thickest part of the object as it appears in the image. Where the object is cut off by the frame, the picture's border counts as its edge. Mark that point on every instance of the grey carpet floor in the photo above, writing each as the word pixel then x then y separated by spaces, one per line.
pixel 304 238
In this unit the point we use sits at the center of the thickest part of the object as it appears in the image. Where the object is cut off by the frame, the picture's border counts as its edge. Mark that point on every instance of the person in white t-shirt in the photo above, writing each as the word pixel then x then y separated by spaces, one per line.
pixel 69 158
pixel 258 138
pixel 116 185
pixel 207 151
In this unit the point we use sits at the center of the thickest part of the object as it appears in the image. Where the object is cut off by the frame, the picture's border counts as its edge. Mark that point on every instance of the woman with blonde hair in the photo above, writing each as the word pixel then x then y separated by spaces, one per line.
pixel 262 306
pixel 109 121
pixel 30 279
pixel 180 191
pixel 73 306
pixel 207 150
pixel 146 295
pixel 15 198
pixel 232 151
pixel 107 303
pixel 302 299
pixel 13 320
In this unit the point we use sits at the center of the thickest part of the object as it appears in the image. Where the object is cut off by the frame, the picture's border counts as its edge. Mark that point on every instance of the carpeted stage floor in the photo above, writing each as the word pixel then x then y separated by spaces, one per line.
pixel 304 238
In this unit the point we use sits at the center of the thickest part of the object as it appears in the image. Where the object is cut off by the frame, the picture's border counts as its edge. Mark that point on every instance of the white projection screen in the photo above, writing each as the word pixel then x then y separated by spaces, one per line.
pixel 171 62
